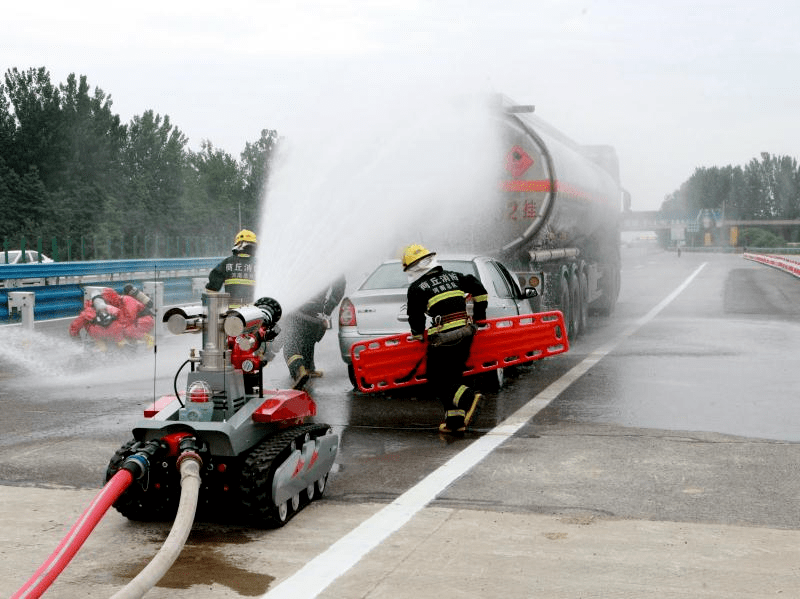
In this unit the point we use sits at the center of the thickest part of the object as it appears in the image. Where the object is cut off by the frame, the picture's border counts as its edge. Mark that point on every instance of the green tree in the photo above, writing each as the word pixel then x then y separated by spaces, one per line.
pixel 152 165
pixel 22 201
pixel 8 125
pixel 93 133
pixel 256 160
pixel 69 169
pixel 38 139
pixel 768 188
pixel 217 192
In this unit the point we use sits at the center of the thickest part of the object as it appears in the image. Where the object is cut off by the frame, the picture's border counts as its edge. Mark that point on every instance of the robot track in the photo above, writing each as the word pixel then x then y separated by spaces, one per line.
pixel 263 487
pixel 270 494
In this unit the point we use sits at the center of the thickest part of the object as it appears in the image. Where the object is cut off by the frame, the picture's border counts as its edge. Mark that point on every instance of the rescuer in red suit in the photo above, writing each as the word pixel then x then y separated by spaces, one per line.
pixel 110 316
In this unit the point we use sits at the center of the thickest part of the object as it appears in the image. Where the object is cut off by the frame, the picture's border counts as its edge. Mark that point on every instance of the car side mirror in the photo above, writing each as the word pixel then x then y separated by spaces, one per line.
pixel 530 292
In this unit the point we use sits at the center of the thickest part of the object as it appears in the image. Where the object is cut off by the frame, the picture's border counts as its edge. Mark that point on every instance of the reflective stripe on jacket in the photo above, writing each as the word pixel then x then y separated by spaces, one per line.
pixel 442 294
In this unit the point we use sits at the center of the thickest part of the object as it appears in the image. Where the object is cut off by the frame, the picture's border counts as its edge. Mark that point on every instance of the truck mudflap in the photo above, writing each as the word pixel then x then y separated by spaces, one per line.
pixel 398 361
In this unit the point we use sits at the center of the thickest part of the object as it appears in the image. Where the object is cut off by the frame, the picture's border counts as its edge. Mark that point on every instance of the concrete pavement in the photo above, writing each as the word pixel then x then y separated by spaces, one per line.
pixel 566 511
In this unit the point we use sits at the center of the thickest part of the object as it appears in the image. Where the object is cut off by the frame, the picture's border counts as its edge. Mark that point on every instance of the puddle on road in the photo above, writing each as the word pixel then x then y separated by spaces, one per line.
pixel 202 563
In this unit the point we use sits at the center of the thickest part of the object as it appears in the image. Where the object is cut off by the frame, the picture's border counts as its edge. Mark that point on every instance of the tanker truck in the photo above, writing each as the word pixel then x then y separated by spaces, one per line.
pixel 557 216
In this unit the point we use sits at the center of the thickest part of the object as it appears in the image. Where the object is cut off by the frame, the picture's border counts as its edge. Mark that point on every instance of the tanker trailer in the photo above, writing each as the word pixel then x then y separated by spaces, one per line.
pixel 557 225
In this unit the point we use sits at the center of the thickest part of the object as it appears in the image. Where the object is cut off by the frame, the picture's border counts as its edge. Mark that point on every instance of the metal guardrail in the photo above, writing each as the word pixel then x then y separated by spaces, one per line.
pixel 779 262
pixel 58 286
pixel 156 268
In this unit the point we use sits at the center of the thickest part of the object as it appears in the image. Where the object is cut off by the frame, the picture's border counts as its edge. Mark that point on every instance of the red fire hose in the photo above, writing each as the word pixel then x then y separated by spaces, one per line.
pixel 69 546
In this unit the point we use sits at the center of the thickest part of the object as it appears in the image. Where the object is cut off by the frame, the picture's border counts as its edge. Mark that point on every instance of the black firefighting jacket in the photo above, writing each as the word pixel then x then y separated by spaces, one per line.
pixel 237 274
pixel 442 294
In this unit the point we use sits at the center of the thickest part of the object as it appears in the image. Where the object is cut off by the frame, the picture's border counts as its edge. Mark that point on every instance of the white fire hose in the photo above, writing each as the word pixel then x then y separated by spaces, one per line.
pixel 171 549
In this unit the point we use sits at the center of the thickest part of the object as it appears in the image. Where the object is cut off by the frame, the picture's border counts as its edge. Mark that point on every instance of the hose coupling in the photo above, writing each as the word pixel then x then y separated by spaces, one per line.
pixel 188 450
pixel 139 463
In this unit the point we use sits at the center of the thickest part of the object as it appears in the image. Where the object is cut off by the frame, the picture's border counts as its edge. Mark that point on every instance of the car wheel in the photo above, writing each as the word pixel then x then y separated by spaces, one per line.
pixel 351 374
pixel 492 381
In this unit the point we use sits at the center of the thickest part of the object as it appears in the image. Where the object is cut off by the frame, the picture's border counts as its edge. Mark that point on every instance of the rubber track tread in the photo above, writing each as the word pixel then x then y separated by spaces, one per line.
pixel 259 467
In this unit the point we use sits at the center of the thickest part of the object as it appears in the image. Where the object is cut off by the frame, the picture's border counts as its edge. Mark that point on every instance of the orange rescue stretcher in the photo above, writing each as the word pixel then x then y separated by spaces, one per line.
pixel 398 361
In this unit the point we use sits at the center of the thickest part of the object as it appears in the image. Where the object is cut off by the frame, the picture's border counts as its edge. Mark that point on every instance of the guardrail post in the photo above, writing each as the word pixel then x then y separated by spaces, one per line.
pixel 22 302
pixel 155 291
pixel 198 287
pixel 89 292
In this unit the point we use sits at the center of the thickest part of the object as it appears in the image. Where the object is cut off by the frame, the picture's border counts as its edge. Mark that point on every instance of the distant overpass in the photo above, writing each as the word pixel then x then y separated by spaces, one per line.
pixel 650 220
pixel 653 220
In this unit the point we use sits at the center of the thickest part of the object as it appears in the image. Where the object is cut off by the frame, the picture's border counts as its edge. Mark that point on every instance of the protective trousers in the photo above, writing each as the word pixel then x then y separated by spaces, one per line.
pixel 298 346
pixel 445 371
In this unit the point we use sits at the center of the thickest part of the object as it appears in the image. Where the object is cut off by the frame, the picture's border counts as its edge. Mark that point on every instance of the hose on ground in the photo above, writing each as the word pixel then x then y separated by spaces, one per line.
pixel 189 464
pixel 69 546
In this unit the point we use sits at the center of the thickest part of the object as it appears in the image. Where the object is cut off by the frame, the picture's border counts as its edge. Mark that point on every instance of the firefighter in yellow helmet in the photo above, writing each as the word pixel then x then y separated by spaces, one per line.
pixel 237 272
pixel 442 295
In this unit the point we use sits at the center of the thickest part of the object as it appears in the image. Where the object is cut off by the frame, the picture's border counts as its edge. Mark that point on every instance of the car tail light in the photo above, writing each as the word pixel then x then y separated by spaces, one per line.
pixel 347 313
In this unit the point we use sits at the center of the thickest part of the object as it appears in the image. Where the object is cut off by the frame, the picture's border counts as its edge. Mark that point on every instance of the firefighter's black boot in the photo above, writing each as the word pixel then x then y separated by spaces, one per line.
pixel 298 370
pixel 453 423
pixel 469 401
pixel 301 378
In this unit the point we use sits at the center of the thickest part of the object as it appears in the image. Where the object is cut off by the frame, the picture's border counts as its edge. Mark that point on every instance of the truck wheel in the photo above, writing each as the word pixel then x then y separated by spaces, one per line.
pixel 583 311
pixel 609 285
pixel 574 325
pixel 566 308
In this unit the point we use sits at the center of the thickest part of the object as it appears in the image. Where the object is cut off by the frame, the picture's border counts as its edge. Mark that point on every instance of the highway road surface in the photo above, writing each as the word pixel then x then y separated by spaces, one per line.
pixel 657 458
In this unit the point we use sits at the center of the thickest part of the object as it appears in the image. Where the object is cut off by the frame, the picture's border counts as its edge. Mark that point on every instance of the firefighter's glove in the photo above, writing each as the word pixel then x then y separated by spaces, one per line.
pixel 270 334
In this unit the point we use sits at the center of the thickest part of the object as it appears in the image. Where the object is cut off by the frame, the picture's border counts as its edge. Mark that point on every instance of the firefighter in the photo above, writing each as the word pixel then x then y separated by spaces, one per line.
pixel 442 295
pixel 305 327
pixel 113 317
pixel 237 272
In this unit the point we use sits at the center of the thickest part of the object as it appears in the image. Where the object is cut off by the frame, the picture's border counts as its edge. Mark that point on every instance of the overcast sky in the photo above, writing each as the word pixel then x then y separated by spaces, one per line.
pixel 673 85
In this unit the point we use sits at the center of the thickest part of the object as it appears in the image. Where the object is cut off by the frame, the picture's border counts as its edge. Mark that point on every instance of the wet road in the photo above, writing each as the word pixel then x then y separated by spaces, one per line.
pixel 659 387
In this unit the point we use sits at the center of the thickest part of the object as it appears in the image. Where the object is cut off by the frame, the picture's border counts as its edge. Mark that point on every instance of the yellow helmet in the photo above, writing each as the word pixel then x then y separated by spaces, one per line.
pixel 245 236
pixel 413 254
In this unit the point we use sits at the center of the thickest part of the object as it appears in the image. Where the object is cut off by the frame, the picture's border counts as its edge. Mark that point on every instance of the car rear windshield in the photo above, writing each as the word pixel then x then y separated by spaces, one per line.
pixel 13 257
pixel 392 276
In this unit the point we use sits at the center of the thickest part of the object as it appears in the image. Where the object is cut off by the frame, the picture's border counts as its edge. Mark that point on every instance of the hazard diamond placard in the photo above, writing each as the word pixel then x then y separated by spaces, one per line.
pixel 518 161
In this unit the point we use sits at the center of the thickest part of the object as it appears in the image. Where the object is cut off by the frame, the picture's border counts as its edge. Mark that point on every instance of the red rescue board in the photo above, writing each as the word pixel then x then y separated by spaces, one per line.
pixel 398 361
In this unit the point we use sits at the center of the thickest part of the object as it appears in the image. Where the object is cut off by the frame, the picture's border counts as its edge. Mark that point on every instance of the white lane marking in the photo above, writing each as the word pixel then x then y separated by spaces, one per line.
pixel 313 578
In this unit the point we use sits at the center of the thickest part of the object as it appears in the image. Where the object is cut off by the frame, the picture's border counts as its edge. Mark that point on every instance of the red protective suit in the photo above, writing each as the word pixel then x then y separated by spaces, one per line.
pixel 128 320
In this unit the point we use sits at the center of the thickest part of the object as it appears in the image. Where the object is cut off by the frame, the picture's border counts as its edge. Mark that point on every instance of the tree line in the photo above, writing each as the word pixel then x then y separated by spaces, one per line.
pixel 764 189
pixel 70 169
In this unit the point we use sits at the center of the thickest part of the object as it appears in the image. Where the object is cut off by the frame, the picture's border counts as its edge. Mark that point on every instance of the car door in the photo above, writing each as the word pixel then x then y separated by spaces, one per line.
pixel 503 292
pixel 522 302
